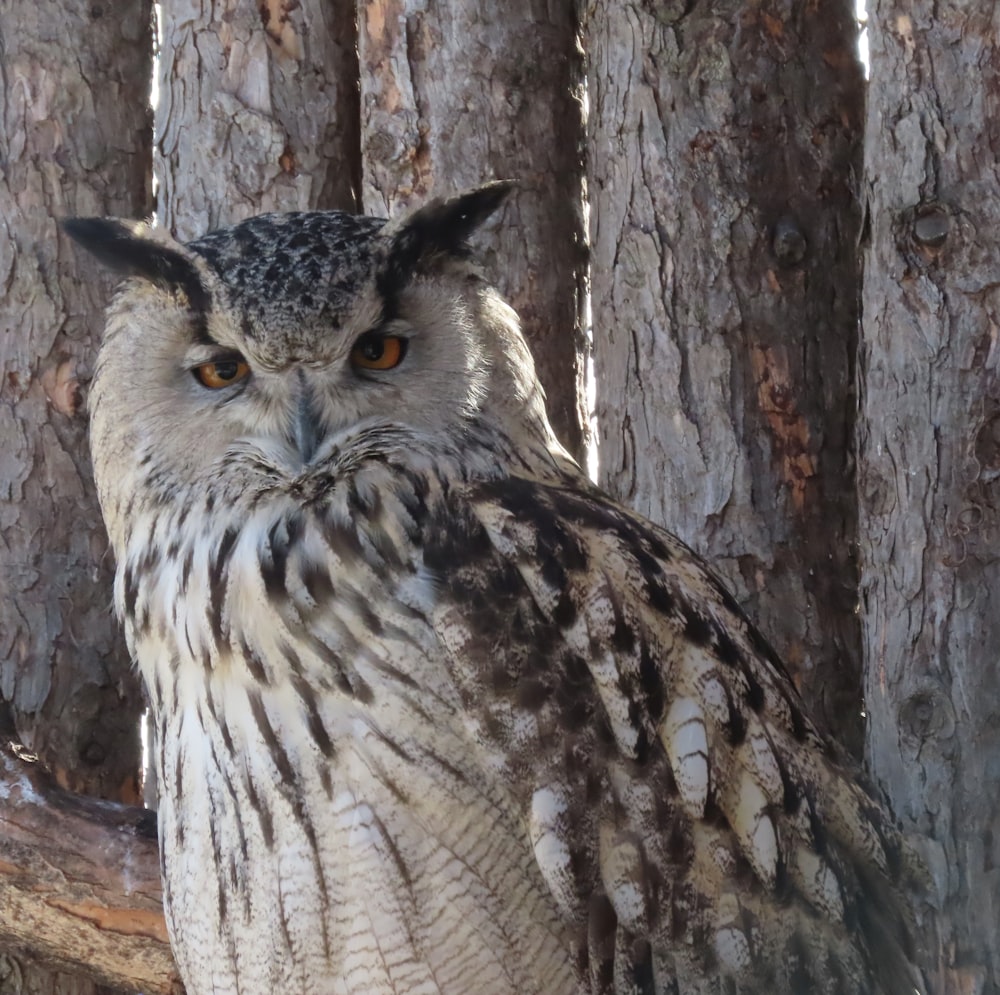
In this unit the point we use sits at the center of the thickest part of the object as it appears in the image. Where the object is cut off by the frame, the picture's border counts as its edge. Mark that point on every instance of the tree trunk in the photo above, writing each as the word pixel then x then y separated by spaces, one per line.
pixel 80 884
pixel 74 140
pixel 258 110
pixel 724 138
pixel 453 94
pixel 929 461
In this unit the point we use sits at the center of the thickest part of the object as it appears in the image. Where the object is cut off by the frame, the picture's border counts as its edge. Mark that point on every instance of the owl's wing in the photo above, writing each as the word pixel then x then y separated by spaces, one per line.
pixel 686 815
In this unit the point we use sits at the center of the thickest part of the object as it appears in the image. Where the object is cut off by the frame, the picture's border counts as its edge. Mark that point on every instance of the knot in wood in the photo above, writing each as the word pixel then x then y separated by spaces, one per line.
pixel 94 753
pixel 931 225
pixel 788 242
pixel 927 714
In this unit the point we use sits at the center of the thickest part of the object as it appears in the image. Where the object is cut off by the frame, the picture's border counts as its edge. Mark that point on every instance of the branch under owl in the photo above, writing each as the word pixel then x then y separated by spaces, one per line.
pixel 80 882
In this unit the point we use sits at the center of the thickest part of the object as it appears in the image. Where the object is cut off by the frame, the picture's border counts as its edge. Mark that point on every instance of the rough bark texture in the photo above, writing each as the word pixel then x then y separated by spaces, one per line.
pixel 453 94
pixel 79 887
pixel 258 110
pixel 74 140
pixel 724 139
pixel 929 461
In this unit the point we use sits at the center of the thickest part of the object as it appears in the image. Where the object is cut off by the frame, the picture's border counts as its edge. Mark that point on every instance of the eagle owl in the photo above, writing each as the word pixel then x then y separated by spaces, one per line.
pixel 433 713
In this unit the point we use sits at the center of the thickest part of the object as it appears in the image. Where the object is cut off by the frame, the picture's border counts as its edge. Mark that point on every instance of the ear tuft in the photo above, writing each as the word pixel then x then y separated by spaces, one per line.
pixel 441 227
pixel 445 225
pixel 126 248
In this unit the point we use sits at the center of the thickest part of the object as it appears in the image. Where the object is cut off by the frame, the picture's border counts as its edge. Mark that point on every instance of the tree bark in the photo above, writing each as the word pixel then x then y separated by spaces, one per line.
pixel 72 143
pixel 74 140
pixel 929 460
pixel 79 886
pixel 724 138
pixel 258 110
pixel 453 94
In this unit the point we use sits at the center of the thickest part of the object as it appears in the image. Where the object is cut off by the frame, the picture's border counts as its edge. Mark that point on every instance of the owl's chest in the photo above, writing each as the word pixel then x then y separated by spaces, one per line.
pixel 326 823
pixel 373 863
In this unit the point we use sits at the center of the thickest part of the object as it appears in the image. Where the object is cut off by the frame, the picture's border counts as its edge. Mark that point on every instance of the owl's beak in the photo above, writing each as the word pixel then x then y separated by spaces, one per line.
pixel 306 431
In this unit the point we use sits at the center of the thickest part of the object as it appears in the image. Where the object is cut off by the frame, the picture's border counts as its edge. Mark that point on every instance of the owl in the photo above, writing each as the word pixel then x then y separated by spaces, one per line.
pixel 433 714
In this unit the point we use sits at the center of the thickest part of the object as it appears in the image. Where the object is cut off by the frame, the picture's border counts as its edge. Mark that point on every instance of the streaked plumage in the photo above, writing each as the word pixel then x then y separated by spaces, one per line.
pixel 434 714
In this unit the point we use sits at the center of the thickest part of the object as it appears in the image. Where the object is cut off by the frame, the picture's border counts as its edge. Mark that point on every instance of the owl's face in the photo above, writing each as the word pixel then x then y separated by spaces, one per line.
pixel 287 336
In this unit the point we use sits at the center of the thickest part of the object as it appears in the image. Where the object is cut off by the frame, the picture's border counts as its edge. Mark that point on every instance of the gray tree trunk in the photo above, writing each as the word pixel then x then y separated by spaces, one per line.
pixel 724 142
pixel 74 140
pixel 929 460
pixel 258 110
pixel 453 94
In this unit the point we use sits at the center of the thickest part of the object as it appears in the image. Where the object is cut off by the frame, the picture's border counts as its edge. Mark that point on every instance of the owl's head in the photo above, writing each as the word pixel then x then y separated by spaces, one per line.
pixel 291 334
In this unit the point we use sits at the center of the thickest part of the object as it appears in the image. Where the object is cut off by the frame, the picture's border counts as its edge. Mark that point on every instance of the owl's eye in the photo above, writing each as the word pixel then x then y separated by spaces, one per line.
pixel 378 352
pixel 221 373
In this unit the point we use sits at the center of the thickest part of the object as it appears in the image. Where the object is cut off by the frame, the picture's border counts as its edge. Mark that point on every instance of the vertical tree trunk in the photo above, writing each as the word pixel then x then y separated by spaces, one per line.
pixel 74 140
pixel 258 110
pixel 929 461
pixel 724 137
pixel 453 94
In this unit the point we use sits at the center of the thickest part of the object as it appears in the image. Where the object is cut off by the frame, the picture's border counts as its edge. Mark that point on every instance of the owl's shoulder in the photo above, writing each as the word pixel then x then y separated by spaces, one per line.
pixel 678 747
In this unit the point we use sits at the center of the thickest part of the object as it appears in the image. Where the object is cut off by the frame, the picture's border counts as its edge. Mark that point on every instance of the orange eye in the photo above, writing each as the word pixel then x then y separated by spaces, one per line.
pixel 378 352
pixel 221 373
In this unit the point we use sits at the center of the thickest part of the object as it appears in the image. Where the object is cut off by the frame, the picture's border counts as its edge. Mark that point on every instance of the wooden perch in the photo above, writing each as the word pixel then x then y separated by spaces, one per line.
pixel 80 881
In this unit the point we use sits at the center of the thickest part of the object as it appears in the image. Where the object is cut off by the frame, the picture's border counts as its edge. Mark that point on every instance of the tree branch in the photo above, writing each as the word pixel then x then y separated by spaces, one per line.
pixel 80 881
